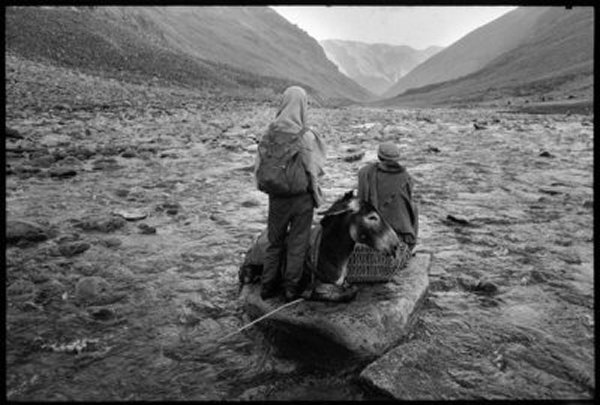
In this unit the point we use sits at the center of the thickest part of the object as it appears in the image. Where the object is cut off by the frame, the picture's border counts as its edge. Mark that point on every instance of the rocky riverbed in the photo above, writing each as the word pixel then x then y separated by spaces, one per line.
pixel 129 208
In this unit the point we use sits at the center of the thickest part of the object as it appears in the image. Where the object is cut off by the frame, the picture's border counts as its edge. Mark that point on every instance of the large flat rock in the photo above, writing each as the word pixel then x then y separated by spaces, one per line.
pixel 363 329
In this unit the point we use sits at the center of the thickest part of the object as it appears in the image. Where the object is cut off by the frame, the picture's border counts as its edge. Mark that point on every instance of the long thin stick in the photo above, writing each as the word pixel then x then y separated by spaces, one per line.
pixel 261 318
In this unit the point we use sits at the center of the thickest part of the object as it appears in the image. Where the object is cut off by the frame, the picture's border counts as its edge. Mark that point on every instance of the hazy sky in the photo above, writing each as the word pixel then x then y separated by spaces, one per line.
pixel 418 27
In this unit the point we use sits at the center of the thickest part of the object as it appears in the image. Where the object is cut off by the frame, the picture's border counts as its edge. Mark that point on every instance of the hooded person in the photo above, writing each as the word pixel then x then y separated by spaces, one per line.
pixel 290 217
pixel 387 185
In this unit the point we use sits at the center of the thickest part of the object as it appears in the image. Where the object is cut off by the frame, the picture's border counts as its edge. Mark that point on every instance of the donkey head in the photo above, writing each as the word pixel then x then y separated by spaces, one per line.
pixel 365 223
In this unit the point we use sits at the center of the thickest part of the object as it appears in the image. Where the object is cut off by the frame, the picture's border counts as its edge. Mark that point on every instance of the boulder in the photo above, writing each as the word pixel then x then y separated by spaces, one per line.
pixel 412 372
pixel 327 333
pixel 51 290
pixel 43 161
pixel 21 287
pixel 91 288
pixel 62 172
pixel 71 161
pixel 12 133
pixel 70 249
pixel 55 140
pixel 17 231
pixel 146 229
pixel 110 242
pixel 100 224
pixel 131 214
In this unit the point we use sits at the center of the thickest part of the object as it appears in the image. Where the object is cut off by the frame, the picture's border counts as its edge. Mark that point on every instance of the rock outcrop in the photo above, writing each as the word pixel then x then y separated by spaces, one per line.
pixel 358 331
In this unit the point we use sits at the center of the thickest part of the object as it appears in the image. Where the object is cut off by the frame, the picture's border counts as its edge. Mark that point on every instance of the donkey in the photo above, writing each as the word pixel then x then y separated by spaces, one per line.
pixel 346 222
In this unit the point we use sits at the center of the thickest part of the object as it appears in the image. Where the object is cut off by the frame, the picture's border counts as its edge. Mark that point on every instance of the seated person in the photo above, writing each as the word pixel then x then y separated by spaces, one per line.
pixel 388 187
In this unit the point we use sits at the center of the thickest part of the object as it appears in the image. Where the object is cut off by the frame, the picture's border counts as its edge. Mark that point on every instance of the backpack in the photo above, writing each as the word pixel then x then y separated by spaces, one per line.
pixel 280 170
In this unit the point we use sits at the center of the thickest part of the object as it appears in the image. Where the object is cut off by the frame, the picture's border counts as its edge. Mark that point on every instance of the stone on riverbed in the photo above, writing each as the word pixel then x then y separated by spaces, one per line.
pixel 379 316
pixel 18 230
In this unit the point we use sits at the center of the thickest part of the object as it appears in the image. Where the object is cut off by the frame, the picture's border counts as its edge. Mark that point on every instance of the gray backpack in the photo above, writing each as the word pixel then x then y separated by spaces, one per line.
pixel 280 171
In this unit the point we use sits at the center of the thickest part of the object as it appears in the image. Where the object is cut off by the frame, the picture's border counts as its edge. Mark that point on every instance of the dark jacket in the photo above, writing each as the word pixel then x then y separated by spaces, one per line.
pixel 389 188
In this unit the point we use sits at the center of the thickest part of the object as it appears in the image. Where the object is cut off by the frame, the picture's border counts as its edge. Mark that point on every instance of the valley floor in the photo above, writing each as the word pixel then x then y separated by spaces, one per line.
pixel 104 309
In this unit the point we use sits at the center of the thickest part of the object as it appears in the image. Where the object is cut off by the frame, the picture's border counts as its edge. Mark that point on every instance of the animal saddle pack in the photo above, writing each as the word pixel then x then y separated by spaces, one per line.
pixel 280 170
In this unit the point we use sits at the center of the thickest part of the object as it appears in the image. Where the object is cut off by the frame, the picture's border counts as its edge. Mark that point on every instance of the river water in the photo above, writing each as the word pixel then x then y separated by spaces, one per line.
pixel 509 313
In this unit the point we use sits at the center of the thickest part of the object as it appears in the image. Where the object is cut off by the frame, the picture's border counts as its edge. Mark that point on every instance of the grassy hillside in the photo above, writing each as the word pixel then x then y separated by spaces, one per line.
pixel 123 43
pixel 473 51
pixel 255 39
pixel 554 63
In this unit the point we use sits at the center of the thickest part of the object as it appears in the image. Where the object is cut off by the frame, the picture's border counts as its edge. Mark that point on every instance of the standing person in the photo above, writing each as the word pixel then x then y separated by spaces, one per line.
pixel 289 162
pixel 387 185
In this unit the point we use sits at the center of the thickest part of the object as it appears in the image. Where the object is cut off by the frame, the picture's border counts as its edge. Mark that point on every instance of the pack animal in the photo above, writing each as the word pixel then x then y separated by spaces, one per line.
pixel 346 222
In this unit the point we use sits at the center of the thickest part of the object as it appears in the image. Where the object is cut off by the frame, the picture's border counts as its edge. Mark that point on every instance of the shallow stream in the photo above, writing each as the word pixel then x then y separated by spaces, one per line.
pixel 510 309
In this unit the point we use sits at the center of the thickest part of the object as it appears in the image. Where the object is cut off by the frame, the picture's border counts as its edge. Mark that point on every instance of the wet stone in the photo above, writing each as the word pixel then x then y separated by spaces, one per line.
pixel 110 242
pixel 91 288
pixel 55 140
pixel 106 164
pixel 52 290
pixel 101 313
pixel 12 133
pixel 250 203
pixel 62 172
pixel 100 224
pixel 83 152
pixel 21 287
pixel 71 161
pixel 85 268
pixel 486 287
pixel 18 230
pixel 451 219
pixel 71 237
pixel 44 273
pixel 537 277
pixel 362 329
pixel 121 192
pixel 73 248
pixel 353 155
pixel 129 153
pixel 25 170
pixel 131 214
pixel 146 229
pixel 43 161
pixel 170 208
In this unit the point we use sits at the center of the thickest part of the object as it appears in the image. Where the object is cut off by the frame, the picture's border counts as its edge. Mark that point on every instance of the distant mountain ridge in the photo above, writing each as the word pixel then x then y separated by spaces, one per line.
pixel 553 56
pixel 473 51
pixel 201 46
pixel 376 67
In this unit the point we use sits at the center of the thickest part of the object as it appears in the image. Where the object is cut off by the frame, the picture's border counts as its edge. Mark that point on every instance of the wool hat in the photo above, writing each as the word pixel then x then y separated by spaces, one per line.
pixel 388 151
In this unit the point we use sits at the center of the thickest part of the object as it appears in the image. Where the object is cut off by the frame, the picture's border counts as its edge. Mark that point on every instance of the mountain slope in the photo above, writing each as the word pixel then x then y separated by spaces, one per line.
pixel 473 51
pixel 374 66
pixel 199 46
pixel 556 60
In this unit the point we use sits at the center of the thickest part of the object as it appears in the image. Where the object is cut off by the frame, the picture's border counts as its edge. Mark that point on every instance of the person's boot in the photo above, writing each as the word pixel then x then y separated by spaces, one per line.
pixel 268 291
pixel 290 295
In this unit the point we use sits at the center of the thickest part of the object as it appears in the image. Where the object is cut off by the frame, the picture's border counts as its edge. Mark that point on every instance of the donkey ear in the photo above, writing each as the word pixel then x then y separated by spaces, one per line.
pixel 334 210
pixel 354 205
pixel 339 206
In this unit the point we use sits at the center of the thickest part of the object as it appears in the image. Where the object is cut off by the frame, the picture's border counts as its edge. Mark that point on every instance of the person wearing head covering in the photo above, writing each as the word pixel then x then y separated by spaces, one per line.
pixel 387 185
pixel 290 217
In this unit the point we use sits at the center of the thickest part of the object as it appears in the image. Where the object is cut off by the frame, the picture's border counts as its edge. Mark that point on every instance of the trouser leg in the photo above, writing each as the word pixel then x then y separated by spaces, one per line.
pixel 279 215
pixel 298 240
